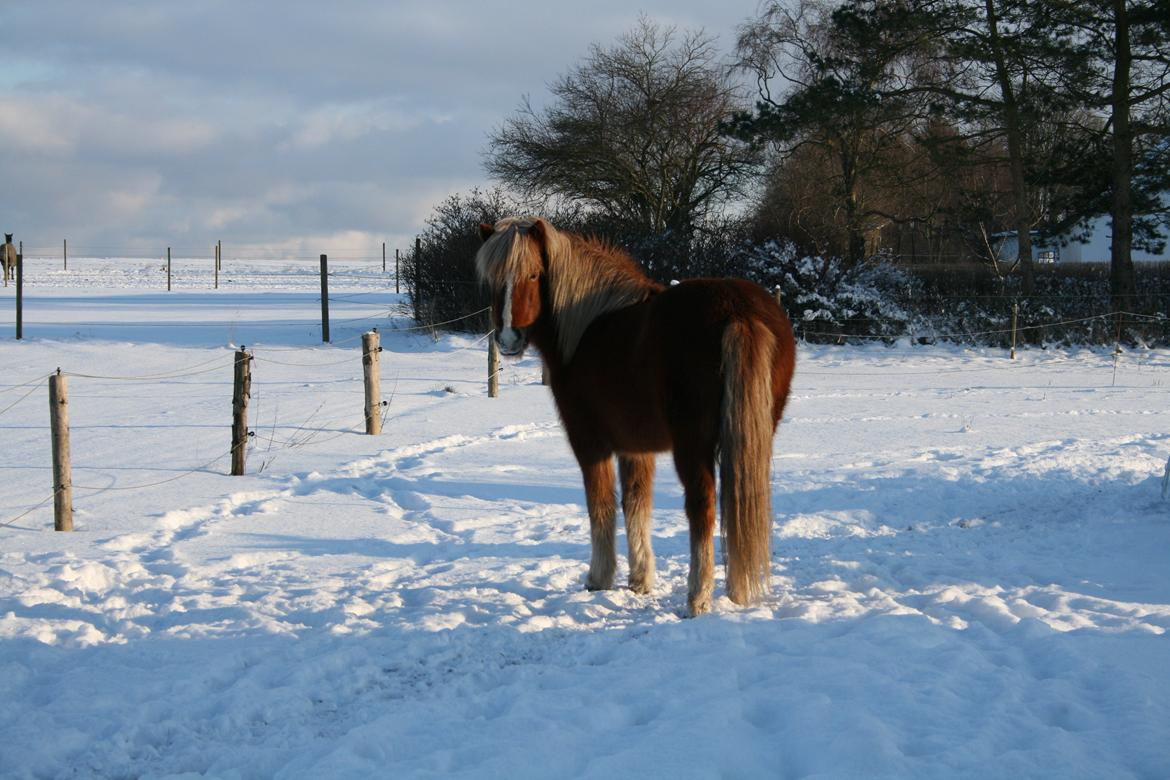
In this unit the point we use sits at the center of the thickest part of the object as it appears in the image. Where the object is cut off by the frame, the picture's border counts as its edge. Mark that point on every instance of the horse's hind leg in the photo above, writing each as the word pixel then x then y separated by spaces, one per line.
pixel 637 475
pixel 696 471
pixel 602 503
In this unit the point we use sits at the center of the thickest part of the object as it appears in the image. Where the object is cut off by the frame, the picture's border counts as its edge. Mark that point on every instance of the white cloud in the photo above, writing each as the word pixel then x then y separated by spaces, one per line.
pixel 61 125
pixel 155 124
pixel 338 123
pixel 34 125
pixel 132 198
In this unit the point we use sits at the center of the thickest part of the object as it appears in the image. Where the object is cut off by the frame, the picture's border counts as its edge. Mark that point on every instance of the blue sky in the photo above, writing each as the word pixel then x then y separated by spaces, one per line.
pixel 281 128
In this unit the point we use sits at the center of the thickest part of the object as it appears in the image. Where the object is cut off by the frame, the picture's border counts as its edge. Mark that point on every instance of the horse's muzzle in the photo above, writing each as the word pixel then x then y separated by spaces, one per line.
pixel 511 341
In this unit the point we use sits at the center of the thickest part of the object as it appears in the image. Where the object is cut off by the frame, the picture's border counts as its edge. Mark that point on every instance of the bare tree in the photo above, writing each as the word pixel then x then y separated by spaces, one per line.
pixel 634 131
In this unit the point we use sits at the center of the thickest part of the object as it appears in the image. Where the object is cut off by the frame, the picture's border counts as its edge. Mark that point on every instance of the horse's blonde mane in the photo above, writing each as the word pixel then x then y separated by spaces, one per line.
pixel 586 277
pixel 503 256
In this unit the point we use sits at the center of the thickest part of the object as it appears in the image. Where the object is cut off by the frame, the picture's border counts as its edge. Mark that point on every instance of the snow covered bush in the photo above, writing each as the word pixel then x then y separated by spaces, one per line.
pixel 830 301
pixel 1070 304
pixel 440 271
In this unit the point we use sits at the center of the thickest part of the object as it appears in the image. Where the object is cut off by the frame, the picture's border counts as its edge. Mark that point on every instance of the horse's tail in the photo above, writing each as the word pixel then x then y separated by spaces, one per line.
pixel 745 458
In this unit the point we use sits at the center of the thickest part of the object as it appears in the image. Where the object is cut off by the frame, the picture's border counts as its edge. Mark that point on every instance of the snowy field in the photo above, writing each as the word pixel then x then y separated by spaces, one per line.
pixel 971 572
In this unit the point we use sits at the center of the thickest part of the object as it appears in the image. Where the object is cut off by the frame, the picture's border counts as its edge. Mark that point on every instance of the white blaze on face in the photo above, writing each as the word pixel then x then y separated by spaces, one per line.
pixel 508 306
pixel 509 338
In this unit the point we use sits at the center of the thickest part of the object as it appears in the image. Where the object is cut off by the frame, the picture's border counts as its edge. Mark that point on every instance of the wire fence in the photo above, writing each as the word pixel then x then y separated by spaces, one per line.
pixel 298 439
pixel 13 521
pixel 303 434
pixel 307 433
pixel 1120 318
pixel 63 251
pixel 178 271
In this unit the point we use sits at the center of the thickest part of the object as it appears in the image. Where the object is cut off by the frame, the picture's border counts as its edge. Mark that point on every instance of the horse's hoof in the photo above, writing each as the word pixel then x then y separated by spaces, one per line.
pixel 592 585
pixel 641 587
pixel 699 607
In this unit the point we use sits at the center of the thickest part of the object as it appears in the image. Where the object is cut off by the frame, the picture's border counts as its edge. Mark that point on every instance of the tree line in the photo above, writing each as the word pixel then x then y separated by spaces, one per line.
pixel 969 117
pixel 903 129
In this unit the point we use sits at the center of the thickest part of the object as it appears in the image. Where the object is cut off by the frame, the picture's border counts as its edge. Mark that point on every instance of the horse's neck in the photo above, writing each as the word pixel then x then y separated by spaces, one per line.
pixel 592 280
pixel 604 259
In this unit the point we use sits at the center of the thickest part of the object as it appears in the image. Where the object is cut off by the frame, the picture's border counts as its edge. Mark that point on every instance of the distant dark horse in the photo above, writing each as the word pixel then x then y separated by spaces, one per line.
pixel 701 368
pixel 8 257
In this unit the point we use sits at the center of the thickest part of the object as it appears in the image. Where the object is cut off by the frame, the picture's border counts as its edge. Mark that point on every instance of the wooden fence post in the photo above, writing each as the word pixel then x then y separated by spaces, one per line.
pixel 168 269
pixel 396 290
pixel 1015 317
pixel 241 392
pixel 544 373
pixel 65 253
pixel 62 478
pixel 20 294
pixel 324 298
pixel 216 264
pixel 383 257
pixel 417 278
pixel 371 370
pixel 493 367
pixel 218 255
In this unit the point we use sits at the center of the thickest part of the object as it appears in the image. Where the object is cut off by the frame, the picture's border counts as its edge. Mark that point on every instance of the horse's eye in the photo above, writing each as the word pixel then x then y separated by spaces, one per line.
pixel 532 277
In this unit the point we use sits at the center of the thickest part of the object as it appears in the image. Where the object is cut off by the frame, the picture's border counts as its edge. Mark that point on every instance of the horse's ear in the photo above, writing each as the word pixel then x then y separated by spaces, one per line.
pixel 485 230
pixel 541 231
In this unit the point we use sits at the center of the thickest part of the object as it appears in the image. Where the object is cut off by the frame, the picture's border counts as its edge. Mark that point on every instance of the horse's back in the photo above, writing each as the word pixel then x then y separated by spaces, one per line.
pixel 691 319
pixel 644 374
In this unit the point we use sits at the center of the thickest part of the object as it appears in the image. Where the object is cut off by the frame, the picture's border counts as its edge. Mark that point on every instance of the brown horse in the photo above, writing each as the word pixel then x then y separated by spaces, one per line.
pixel 8 257
pixel 701 368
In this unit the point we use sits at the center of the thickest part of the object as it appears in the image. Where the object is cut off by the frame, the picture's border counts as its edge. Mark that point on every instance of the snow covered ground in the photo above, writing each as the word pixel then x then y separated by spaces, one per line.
pixel 971 560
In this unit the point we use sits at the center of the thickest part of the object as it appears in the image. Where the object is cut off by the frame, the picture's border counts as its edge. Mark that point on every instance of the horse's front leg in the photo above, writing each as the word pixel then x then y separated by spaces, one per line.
pixel 602 503
pixel 637 475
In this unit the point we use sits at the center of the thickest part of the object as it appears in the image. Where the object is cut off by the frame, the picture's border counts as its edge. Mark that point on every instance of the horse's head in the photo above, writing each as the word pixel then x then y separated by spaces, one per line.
pixel 512 262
